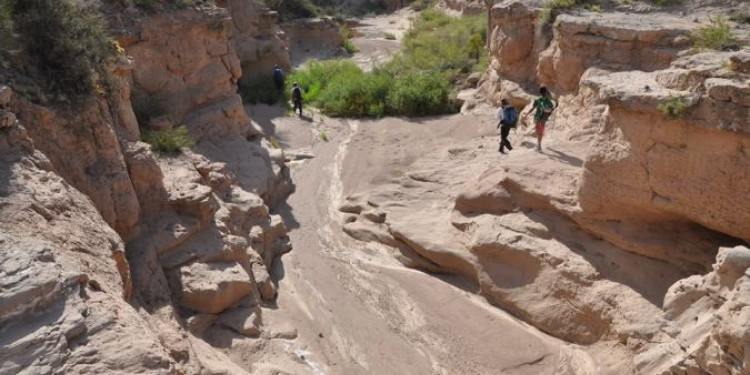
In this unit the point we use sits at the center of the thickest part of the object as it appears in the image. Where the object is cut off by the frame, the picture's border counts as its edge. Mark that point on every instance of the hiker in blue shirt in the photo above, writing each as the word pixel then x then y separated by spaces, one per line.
pixel 508 118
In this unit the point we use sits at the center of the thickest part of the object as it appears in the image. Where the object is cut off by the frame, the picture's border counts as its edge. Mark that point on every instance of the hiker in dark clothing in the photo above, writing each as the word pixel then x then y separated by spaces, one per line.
pixel 508 118
pixel 278 77
pixel 542 108
pixel 297 97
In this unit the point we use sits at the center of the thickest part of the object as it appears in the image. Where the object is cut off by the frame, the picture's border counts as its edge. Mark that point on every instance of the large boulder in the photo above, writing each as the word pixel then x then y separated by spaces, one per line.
pixel 212 287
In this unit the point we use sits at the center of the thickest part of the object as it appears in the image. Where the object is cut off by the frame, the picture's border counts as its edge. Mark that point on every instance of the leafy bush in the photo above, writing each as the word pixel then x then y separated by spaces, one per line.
pixel 168 140
pixel 389 36
pixel 420 94
pixel 437 51
pixel 442 44
pixel 147 106
pixel 262 89
pixel 673 107
pixel 717 36
pixel 355 94
pixel 346 35
pixel 544 17
pixel 67 42
pixel 291 9
pixel 349 46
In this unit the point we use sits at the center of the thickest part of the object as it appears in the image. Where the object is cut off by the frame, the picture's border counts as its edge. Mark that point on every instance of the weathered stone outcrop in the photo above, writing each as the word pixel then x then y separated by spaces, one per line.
pixel 84 146
pixel 312 38
pixel 63 276
pixel 690 167
pixel 194 237
pixel 610 41
pixel 257 39
pixel 710 314
pixel 185 60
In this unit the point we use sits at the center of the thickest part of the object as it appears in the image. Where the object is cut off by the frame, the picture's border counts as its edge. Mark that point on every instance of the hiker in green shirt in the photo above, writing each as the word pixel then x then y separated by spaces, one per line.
pixel 542 108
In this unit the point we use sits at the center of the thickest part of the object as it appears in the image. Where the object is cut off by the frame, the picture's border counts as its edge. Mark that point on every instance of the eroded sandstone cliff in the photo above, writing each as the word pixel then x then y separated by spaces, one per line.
pixel 116 259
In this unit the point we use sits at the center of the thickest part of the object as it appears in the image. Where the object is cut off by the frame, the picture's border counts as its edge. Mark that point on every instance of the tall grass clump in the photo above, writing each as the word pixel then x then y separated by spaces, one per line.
pixel 346 39
pixel 170 141
pixel 437 52
pixel 716 36
pixel 673 107
pixel 441 44
pixel 66 41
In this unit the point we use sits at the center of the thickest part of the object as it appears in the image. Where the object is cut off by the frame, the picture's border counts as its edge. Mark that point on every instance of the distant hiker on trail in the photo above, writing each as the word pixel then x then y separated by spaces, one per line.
pixel 543 107
pixel 508 118
pixel 297 97
pixel 278 77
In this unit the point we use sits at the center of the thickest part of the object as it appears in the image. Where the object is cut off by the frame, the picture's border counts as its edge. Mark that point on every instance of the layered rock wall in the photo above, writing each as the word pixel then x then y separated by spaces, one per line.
pixel 117 259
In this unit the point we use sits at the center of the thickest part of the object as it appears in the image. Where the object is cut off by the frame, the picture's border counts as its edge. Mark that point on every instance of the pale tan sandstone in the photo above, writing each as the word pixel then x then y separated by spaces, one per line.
pixel 97 167
pixel 64 277
pixel 212 287
pixel 257 39
pixel 710 316
pixel 664 166
pixel 316 38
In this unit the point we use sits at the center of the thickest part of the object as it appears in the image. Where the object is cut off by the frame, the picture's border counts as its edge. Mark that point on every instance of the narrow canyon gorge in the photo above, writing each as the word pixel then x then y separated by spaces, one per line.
pixel 282 244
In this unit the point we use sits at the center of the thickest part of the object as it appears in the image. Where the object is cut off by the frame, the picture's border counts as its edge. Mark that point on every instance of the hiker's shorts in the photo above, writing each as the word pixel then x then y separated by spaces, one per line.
pixel 539 124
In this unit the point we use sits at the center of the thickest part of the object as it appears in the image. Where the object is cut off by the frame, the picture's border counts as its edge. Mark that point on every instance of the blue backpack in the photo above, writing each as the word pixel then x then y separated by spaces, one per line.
pixel 510 117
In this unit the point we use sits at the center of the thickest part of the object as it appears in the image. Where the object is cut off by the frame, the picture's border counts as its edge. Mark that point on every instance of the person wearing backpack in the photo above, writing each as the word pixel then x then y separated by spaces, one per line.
pixel 297 98
pixel 278 77
pixel 542 108
pixel 508 120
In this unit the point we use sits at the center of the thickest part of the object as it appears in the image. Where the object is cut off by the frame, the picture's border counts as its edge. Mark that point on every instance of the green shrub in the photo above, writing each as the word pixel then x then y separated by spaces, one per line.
pixel 349 46
pixel 291 9
pixel 316 75
pixel 389 36
pixel 717 36
pixel 673 107
pixel 168 140
pixel 544 17
pixel 346 35
pixel 261 89
pixel 67 42
pixel 419 94
pixel 147 106
pixel 355 94
pixel 437 51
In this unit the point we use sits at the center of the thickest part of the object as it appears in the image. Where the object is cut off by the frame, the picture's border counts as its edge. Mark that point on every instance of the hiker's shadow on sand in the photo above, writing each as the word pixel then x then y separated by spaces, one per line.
pixel 555 154
pixel 565 158
pixel 306 118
